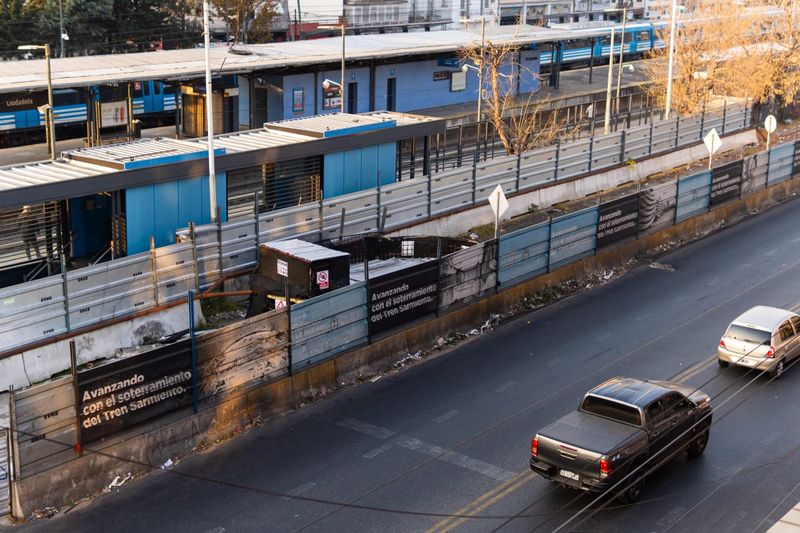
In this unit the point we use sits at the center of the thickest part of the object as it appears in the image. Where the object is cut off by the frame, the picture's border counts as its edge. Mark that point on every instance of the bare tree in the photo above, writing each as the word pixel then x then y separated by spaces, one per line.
pixel 516 114
pixel 725 49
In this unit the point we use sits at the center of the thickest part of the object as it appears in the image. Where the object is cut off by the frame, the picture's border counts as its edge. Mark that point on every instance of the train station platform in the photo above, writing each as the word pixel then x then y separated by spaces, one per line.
pixel 574 89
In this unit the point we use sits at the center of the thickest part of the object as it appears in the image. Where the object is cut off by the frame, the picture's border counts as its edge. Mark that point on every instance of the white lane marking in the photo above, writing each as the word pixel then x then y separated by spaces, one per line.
pixel 745 265
pixel 305 487
pixel 431 450
pixel 643 316
pixel 505 386
pixel 603 336
pixel 771 252
pixel 795 240
pixel 713 282
pixel 448 415
pixel 366 428
pixel 216 530
pixel 377 451
pixel 454 458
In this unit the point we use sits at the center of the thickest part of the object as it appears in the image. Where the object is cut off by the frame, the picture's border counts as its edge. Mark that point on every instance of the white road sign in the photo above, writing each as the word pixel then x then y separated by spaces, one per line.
pixel 770 124
pixel 712 141
pixel 498 201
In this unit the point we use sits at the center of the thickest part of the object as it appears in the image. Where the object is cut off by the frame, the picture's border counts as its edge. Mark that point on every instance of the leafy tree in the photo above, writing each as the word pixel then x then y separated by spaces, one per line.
pixel 249 20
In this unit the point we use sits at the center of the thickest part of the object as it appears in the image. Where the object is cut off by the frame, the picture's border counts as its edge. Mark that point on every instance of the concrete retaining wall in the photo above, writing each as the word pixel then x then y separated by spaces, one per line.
pixel 39 364
pixel 150 445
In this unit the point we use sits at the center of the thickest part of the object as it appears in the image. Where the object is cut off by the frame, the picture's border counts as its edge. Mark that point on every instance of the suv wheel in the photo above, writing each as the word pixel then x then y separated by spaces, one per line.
pixel 723 364
pixel 777 371
pixel 698 445
pixel 632 493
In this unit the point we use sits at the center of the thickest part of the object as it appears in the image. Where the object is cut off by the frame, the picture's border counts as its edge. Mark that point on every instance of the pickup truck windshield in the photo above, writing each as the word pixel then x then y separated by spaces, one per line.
pixel 611 409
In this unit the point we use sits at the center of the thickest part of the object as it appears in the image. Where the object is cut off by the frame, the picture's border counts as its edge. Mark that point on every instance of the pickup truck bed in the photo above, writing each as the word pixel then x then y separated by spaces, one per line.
pixel 590 432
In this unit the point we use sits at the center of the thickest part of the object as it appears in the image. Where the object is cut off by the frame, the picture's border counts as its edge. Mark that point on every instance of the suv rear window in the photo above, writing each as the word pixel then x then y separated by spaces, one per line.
pixel 611 409
pixel 743 333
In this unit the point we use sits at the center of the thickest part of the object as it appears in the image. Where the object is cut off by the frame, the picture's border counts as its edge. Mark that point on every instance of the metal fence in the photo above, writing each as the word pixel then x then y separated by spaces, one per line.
pixel 40 309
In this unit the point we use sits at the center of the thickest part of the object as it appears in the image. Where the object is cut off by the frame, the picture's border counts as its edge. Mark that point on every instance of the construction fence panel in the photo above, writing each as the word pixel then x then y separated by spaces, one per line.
pixel 32 311
pixel 754 173
pixel 572 236
pixel 537 167
pixel 657 206
pixel 637 143
pixel 360 214
pixel 523 254
pixel 694 195
pixel 467 275
pixel 239 244
pixel 796 162
pixel 243 354
pixel 606 151
pixel 451 190
pixel 781 163
pixel 5 457
pixel 498 171
pixel 573 158
pixel 175 271
pixel 664 136
pixel 110 290
pixel 46 426
pixel 301 222
pixel 690 130
pixel 405 202
pixel 329 324
pixel 207 250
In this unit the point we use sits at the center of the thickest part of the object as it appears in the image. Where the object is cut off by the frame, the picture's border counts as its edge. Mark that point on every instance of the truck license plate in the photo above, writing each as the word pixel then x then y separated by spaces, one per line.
pixel 568 474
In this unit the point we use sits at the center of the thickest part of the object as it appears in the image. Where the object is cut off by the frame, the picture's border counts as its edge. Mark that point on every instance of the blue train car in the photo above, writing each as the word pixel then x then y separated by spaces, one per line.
pixel 22 123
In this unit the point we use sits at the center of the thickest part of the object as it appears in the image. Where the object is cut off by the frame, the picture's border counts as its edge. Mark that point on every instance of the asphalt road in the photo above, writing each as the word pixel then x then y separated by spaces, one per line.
pixel 451 436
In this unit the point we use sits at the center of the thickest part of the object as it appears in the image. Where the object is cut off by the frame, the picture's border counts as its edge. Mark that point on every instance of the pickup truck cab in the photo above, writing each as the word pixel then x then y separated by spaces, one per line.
pixel 619 425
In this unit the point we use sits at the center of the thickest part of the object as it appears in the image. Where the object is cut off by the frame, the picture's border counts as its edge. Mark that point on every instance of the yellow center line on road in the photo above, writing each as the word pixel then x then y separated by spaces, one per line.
pixel 482 502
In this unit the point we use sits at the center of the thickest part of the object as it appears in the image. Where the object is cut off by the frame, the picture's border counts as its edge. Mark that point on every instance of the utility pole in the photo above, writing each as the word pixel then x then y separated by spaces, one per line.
pixel 61 29
pixel 610 77
pixel 621 54
pixel 671 58
pixel 212 176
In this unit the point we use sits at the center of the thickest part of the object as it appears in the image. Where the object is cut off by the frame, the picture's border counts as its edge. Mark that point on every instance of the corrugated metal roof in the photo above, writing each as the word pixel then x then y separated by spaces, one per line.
pixel 305 251
pixel 88 162
pixel 45 172
pixel 139 149
pixel 187 64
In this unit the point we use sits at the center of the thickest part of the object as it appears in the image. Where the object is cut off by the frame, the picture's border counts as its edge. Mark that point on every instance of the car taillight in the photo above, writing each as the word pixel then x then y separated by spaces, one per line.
pixel 535 447
pixel 605 468
pixel 722 343
pixel 770 353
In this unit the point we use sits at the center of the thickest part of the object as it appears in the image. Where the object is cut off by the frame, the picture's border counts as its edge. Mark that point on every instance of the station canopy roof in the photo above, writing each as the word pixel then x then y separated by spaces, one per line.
pixel 175 65
pixel 26 183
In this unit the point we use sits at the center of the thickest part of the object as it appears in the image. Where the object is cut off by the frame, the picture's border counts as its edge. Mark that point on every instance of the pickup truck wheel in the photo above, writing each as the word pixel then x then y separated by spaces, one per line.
pixel 698 445
pixel 632 493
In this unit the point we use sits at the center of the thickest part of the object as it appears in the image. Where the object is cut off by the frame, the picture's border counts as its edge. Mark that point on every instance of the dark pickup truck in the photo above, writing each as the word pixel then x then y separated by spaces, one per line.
pixel 618 426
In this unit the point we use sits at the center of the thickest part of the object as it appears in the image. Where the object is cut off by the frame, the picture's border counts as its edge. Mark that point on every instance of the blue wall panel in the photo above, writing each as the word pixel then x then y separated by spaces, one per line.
pixel 162 208
pixel 523 254
pixel 781 162
pixel 694 195
pixel 356 170
pixel 573 236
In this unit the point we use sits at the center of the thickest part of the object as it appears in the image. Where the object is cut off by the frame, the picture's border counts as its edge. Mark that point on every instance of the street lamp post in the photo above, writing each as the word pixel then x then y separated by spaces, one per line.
pixel 343 40
pixel 480 67
pixel 49 121
pixel 212 173
pixel 608 88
